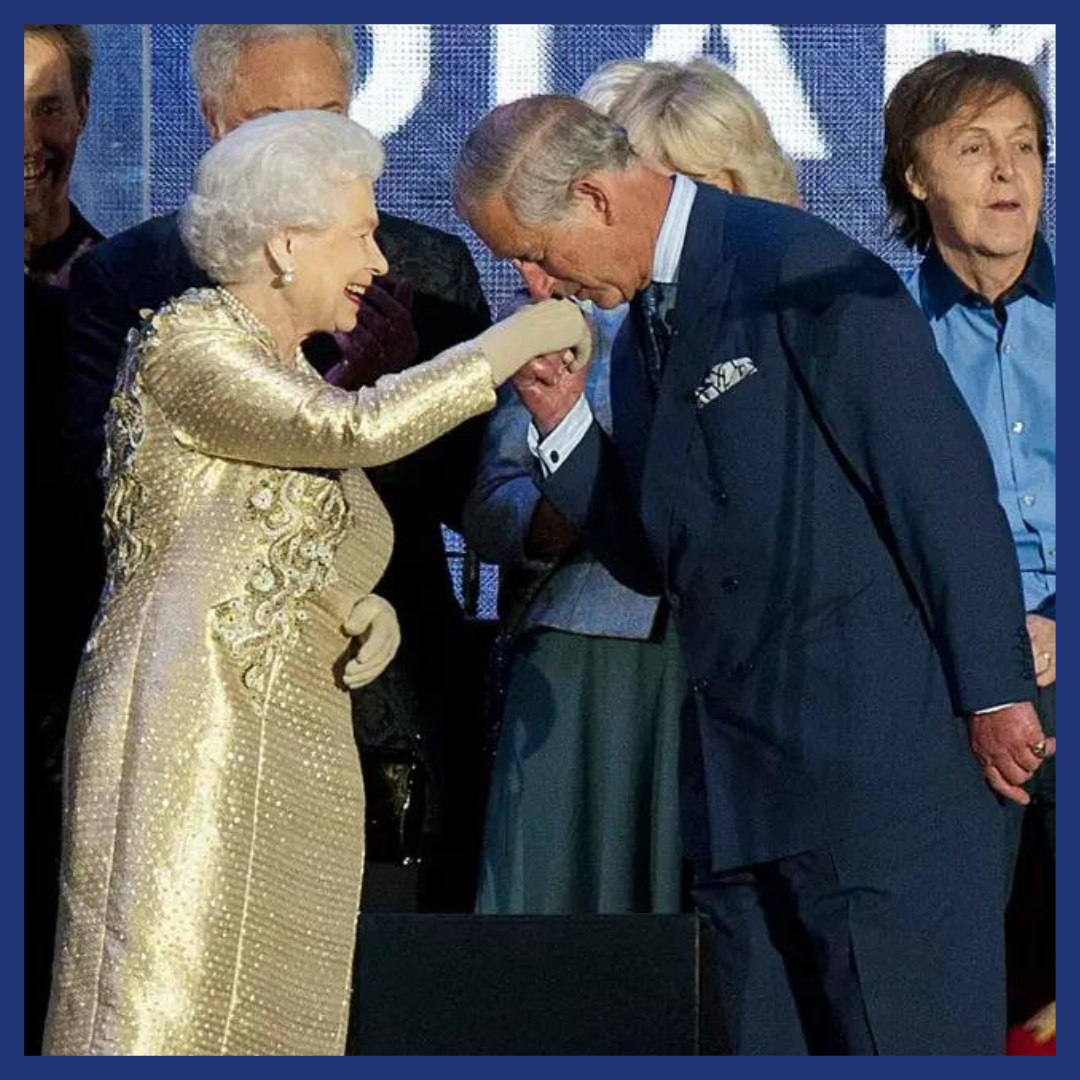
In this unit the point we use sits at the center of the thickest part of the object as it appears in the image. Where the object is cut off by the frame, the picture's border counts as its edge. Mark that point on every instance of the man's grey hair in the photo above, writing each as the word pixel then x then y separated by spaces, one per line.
pixel 531 152
pixel 215 51
pixel 287 170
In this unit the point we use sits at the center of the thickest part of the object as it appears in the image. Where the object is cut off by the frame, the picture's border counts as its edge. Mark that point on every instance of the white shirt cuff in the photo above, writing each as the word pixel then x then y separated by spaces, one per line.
pixel 561 441
pixel 996 708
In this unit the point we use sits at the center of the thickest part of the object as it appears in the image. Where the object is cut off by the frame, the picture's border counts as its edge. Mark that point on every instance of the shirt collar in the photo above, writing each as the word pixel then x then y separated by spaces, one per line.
pixel 944 290
pixel 669 244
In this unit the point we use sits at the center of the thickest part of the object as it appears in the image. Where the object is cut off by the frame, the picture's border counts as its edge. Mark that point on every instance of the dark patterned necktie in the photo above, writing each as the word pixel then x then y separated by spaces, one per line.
pixel 652 309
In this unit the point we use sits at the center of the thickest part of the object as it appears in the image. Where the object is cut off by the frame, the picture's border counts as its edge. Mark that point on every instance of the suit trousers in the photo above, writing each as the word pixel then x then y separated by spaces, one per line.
pixel 1030 873
pixel 891 943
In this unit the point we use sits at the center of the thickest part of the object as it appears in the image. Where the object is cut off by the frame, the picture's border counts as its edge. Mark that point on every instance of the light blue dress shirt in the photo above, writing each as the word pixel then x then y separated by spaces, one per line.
pixel 1003 359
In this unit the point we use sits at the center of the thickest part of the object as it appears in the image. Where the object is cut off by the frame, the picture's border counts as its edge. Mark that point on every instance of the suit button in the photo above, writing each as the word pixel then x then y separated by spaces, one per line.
pixel 675 601
pixel 700 686
pixel 742 670
pixel 729 584
pixel 720 495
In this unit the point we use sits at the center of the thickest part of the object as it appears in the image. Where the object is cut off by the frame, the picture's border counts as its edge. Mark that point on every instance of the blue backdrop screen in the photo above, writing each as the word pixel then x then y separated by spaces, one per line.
pixel 422 87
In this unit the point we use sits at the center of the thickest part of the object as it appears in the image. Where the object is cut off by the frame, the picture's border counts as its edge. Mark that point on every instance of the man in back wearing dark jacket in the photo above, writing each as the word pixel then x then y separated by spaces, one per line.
pixel 57 64
pixel 431 300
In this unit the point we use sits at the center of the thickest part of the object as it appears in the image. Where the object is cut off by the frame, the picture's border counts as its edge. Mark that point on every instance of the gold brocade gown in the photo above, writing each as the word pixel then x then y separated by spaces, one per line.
pixel 213 817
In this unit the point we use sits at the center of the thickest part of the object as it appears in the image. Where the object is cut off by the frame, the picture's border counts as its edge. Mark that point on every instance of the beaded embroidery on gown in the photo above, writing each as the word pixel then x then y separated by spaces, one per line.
pixel 213 817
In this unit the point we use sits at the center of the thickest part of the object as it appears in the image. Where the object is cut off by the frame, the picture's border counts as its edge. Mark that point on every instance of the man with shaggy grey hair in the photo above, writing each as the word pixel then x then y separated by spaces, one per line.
pixel 223 55
pixel 430 300
pixel 791 466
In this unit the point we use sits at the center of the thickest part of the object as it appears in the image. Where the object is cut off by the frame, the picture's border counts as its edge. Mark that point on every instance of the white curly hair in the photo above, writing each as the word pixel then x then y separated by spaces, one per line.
pixel 280 171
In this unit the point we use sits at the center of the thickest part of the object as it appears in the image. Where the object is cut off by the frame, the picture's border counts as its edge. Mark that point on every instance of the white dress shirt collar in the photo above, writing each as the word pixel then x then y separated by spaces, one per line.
pixel 669 244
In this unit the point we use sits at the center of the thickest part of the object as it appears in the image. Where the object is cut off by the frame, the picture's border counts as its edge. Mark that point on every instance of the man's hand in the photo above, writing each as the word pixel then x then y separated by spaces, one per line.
pixel 549 390
pixel 374 622
pixel 384 340
pixel 1043 634
pixel 546 388
pixel 1002 742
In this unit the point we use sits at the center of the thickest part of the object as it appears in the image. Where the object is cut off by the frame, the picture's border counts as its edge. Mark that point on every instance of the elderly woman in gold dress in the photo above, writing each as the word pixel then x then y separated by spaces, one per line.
pixel 213 843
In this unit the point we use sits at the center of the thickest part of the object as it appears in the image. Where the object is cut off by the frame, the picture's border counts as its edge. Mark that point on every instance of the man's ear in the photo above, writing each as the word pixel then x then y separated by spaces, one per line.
pixel 591 193
pixel 211 114
pixel 914 185
pixel 83 111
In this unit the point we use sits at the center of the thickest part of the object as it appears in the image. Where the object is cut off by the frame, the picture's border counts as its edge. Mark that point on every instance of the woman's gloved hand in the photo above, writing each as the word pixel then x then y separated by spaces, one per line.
pixel 373 622
pixel 550 326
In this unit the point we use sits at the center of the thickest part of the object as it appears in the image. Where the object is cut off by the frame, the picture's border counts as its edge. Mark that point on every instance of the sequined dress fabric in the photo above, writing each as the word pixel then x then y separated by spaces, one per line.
pixel 213 844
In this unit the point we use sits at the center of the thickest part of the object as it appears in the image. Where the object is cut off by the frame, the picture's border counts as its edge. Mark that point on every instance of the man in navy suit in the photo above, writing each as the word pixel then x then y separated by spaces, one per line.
pixel 793 468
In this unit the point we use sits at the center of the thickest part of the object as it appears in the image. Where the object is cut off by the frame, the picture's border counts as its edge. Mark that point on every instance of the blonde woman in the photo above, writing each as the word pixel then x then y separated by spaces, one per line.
pixel 697 120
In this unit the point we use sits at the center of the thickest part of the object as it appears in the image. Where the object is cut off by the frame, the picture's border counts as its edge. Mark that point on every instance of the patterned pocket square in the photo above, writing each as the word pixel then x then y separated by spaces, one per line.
pixel 722 378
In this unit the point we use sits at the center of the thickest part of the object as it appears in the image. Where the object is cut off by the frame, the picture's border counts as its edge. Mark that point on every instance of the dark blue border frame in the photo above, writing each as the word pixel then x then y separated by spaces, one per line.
pixel 11 432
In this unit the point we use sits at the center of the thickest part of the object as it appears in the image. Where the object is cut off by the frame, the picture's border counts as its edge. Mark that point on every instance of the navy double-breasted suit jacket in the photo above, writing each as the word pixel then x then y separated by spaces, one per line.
pixel 827 533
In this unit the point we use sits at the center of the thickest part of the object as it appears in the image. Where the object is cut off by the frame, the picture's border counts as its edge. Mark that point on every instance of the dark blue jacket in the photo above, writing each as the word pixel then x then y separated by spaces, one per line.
pixel 826 531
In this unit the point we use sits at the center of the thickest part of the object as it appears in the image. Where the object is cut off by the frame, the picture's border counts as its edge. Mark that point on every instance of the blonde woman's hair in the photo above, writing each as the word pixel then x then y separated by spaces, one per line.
pixel 695 119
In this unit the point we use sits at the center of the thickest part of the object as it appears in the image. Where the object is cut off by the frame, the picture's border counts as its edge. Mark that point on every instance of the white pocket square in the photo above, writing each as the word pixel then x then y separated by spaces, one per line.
pixel 722 377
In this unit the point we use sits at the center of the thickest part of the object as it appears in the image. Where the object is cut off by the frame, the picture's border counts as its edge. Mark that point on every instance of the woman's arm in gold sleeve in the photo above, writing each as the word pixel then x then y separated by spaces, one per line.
pixel 225 395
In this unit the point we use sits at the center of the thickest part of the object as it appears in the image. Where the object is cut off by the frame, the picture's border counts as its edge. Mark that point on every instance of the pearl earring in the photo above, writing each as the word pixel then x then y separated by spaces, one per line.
pixel 287 277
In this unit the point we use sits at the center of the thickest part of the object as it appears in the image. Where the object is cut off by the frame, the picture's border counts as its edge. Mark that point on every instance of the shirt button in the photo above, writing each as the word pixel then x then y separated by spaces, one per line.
pixel 1017 426
pixel 1008 349
pixel 1028 500
pixel 554 455
pixel 729 584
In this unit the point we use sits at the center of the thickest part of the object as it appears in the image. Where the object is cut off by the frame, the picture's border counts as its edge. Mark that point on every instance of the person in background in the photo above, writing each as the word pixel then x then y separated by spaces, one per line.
pixel 966 144
pixel 430 299
pixel 698 120
pixel 214 839
pixel 583 800
pixel 57 64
